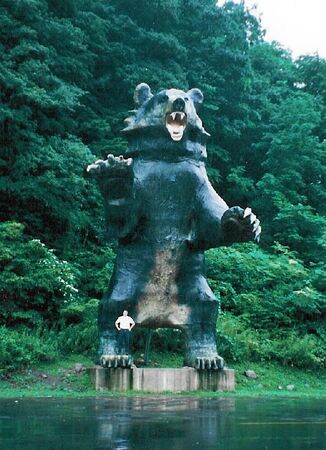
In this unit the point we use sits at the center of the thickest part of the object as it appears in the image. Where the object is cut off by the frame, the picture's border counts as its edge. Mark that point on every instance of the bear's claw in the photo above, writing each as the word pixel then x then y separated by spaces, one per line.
pixel 112 163
pixel 114 361
pixel 209 363
pixel 240 225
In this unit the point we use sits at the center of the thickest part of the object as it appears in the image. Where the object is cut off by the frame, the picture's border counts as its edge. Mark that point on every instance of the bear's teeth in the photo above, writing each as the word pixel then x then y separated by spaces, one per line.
pixel 177 115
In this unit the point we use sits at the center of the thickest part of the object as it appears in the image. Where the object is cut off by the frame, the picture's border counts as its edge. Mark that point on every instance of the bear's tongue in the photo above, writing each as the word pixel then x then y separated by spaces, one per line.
pixel 176 123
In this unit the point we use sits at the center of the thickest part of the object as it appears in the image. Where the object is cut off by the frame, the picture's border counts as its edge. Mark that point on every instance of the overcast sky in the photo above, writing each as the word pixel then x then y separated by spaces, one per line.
pixel 299 25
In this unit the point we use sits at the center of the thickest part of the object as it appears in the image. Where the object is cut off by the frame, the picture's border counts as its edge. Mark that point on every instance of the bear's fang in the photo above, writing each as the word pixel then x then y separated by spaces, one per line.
pixel 176 123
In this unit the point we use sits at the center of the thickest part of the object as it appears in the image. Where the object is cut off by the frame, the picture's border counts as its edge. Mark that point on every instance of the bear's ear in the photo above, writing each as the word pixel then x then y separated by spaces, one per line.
pixel 196 96
pixel 142 94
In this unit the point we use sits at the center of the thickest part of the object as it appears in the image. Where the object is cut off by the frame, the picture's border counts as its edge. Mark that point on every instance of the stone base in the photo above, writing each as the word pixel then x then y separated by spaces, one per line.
pixel 116 380
pixel 162 380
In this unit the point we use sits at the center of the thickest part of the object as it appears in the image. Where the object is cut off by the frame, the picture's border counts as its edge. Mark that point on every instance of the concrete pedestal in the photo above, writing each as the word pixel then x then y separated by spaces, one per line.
pixel 116 380
pixel 162 380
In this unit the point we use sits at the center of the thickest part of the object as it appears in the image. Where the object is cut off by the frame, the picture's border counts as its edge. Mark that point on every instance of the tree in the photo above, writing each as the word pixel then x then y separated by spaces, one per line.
pixel 293 187
pixel 42 160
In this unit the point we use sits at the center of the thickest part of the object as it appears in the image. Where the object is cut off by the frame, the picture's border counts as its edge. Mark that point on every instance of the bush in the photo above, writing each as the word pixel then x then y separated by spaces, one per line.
pixel 269 301
pixel 34 282
pixel 78 332
pixel 95 267
pixel 295 350
pixel 235 340
pixel 79 338
pixel 168 340
pixel 20 348
pixel 239 343
pixel 163 340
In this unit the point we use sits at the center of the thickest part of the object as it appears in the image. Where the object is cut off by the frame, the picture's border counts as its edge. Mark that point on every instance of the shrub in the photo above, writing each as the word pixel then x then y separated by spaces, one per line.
pixel 95 267
pixel 161 340
pixel 235 340
pixel 78 328
pixel 268 302
pixel 238 342
pixel 19 348
pixel 295 350
pixel 34 282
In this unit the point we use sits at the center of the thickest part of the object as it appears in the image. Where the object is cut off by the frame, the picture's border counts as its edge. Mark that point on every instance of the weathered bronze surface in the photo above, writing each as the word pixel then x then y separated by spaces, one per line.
pixel 162 208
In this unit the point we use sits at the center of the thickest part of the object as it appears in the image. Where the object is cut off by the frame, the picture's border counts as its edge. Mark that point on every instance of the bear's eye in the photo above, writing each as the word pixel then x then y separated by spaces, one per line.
pixel 186 99
pixel 162 98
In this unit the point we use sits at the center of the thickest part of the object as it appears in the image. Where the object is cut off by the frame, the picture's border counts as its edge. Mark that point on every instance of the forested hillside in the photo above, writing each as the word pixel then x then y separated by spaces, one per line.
pixel 68 69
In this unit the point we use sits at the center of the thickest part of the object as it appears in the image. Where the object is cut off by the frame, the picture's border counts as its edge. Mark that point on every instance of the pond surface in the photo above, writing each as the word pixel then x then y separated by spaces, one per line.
pixel 162 423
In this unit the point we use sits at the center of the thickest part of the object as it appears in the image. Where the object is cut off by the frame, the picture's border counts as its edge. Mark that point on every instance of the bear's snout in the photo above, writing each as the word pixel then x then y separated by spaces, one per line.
pixel 179 104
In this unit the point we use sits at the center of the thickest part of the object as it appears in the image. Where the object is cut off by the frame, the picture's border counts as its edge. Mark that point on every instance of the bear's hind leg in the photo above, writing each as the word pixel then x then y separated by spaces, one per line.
pixel 113 351
pixel 200 337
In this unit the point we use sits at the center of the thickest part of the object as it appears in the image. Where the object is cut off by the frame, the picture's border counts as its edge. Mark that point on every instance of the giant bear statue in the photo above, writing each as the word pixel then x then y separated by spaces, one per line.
pixel 164 212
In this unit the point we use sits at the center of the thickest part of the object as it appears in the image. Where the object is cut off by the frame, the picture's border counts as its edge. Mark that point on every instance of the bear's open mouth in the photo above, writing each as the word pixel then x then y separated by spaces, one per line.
pixel 176 123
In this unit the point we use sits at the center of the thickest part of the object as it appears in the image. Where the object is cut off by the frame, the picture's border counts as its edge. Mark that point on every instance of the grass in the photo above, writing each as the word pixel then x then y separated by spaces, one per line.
pixel 60 379
pixel 277 380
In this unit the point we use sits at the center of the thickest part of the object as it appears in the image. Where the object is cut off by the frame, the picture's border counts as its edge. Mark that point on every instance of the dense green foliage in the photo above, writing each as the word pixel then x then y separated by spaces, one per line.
pixel 272 309
pixel 35 284
pixel 68 69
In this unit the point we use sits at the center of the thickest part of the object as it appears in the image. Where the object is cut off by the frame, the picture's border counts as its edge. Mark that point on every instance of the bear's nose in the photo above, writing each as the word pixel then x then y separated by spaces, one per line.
pixel 179 104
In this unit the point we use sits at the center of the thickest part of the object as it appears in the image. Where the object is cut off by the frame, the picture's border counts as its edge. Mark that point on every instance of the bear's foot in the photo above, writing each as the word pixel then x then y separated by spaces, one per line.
pixel 209 363
pixel 114 361
pixel 200 343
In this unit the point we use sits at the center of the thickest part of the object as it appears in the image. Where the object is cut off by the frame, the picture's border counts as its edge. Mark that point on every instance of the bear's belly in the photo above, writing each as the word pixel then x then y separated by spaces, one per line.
pixel 158 303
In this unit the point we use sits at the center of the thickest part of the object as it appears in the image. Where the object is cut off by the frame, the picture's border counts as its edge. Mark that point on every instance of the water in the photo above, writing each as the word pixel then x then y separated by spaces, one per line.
pixel 162 423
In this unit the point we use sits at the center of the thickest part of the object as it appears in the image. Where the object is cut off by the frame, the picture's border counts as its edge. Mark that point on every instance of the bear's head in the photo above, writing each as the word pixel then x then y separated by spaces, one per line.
pixel 169 117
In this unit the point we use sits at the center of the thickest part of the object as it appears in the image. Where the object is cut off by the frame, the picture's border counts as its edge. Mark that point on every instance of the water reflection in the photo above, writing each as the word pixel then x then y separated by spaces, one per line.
pixel 159 423
pixel 163 423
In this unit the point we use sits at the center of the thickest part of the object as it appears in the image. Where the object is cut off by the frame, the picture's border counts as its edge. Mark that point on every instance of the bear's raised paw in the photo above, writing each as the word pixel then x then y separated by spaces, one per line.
pixel 115 165
pixel 240 225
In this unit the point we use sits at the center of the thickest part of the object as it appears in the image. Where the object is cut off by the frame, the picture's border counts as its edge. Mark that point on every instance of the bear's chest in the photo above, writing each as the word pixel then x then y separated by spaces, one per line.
pixel 167 185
